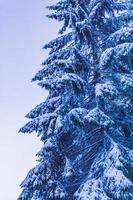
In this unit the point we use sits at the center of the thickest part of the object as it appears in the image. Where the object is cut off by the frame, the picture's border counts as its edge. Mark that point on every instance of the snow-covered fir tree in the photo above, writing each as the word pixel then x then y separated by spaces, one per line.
pixel 86 122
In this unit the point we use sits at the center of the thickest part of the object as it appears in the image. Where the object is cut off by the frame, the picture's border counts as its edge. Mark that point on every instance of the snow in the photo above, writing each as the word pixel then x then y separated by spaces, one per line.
pixel 125 34
pixel 68 168
pixel 99 117
pixel 76 115
pixel 127 81
pixel 103 89
pixel 113 180
pixel 48 143
pixel 117 57
pixel 92 190
pixel 39 123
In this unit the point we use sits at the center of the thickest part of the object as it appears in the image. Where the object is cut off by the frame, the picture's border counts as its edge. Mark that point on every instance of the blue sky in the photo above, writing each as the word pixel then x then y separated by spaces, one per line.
pixel 24 30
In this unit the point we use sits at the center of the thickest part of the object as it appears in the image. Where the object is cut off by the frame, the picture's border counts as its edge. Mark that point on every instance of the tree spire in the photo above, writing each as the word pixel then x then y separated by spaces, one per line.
pixel 85 124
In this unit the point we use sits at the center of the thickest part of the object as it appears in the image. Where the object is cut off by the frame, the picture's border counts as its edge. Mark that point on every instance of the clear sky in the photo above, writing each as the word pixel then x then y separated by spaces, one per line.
pixel 24 29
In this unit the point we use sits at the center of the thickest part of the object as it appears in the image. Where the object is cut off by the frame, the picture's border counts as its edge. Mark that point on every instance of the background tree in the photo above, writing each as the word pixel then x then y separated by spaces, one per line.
pixel 85 123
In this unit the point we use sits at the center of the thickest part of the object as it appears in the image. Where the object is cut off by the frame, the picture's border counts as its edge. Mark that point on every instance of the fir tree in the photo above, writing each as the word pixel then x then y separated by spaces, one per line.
pixel 85 124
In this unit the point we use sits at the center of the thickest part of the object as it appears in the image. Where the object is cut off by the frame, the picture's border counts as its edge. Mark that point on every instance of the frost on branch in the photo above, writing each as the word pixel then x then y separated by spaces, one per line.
pixel 98 117
pixel 119 58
